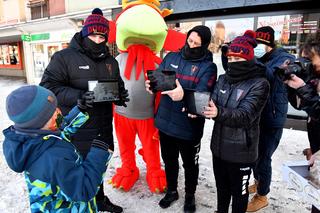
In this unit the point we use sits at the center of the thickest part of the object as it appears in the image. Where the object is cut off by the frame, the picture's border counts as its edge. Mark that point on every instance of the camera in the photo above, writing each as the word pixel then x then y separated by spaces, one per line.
pixel 302 68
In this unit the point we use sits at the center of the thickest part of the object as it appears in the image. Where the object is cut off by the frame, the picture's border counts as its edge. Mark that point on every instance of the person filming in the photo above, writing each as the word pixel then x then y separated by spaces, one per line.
pixel 304 94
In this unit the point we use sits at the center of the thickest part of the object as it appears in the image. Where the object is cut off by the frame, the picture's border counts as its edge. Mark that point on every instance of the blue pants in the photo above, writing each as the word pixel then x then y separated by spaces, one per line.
pixel 268 143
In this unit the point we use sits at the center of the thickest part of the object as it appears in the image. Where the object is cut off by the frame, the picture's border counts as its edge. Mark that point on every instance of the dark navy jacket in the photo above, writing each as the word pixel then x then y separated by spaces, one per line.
pixel 275 112
pixel 199 75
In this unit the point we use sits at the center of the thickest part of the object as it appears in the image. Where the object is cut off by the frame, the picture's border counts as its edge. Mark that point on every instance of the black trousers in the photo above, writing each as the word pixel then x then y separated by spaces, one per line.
pixel 189 151
pixel 313 128
pixel 232 180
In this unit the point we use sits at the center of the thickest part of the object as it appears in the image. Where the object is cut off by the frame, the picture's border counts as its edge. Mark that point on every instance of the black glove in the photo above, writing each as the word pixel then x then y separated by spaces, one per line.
pixel 123 98
pixel 162 80
pixel 86 101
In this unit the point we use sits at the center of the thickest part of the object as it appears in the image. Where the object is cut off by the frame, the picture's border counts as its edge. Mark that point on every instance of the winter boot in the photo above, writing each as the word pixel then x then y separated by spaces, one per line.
pixel 169 198
pixel 106 205
pixel 253 188
pixel 257 202
pixel 189 204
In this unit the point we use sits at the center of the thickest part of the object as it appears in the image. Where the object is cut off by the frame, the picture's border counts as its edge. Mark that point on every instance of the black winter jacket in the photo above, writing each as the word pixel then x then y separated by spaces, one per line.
pixel 67 76
pixel 306 98
pixel 236 130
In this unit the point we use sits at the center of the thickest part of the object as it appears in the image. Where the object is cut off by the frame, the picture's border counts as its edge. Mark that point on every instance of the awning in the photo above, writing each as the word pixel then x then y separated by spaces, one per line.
pixel 36 3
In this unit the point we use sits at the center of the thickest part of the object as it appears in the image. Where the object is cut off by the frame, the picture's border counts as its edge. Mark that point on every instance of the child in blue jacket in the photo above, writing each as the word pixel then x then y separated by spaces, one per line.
pixel 58 179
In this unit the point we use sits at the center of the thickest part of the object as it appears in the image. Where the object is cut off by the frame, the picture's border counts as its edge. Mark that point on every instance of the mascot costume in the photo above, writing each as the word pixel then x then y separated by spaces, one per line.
pixel 141 33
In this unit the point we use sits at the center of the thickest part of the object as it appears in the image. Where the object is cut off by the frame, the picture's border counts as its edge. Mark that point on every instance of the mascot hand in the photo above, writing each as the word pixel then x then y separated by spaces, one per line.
pixel 125 178
pixel 156 180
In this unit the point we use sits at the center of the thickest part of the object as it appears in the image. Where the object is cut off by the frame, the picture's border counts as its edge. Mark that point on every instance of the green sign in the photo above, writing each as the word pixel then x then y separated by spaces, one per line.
pixel 42 36
pixel 25 37
pixel 35 37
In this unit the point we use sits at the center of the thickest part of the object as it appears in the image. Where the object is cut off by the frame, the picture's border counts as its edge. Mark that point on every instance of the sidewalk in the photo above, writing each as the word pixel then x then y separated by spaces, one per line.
pixel 14 197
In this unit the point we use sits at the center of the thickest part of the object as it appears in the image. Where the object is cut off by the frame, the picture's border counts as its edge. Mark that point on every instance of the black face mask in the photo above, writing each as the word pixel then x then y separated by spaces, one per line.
pixel 193 53
pixel 242 70
pixel 94 50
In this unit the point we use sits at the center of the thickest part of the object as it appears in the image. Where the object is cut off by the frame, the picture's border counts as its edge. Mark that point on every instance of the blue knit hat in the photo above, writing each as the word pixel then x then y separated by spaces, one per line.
pixel 31 107
pixel 96 23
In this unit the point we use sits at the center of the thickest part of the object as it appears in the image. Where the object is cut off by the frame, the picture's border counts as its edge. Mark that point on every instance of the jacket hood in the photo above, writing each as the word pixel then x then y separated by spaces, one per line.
pixel 76 42
pixel 21 149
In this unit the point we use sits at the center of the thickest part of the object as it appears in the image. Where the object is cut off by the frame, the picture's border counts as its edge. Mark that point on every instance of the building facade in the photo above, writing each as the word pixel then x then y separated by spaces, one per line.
pixel 29 38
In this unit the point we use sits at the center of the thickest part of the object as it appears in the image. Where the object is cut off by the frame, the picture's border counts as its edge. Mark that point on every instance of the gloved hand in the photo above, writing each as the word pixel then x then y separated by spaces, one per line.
pixel 123 98
pixel 86 101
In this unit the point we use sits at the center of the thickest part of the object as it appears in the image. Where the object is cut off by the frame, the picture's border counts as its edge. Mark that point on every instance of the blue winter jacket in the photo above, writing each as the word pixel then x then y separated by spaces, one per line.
pixel 275 112
pixel 58 179
pixel 199 75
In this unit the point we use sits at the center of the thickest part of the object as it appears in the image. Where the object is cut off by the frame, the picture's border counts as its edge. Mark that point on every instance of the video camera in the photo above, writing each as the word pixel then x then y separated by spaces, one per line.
pixel 302 68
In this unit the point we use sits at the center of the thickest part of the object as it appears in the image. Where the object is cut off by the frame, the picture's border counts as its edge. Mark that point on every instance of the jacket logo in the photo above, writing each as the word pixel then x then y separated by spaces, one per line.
pixel 239 94
pixel 84 67
pixel 223 91
pixel 194 69
pixel 174 66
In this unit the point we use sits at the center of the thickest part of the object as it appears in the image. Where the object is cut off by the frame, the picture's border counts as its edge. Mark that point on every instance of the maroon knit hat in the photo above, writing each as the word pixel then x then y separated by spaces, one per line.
pixel 96 23
pixel 242 46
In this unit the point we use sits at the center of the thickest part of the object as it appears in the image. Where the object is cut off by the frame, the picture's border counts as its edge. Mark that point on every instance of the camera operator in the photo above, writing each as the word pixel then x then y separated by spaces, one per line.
pixel 305 95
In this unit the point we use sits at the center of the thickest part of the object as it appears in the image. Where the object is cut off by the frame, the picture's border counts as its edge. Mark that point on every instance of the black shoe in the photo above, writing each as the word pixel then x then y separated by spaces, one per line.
pixel 189 203
pixel 107 206
pixel 168 199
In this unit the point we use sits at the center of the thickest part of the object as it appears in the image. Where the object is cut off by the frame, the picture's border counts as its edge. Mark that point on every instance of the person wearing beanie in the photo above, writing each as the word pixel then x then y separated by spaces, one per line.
pixel 38 144
pixel 179 134
pixel 273 115
pixel 235 106
pixel 87 59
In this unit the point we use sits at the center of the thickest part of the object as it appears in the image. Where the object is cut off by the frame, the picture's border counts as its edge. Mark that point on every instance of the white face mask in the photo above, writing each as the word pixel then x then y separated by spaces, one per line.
pixel 260 50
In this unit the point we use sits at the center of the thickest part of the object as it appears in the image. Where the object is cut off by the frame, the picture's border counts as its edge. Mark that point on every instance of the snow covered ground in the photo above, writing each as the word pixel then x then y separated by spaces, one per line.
pixel 282 199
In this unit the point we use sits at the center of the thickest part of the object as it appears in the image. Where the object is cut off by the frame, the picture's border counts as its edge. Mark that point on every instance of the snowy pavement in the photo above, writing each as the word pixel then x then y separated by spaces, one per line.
pixel 282 199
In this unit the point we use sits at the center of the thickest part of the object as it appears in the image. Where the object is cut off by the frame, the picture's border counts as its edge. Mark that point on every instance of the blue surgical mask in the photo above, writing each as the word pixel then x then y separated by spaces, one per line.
pixel 260 50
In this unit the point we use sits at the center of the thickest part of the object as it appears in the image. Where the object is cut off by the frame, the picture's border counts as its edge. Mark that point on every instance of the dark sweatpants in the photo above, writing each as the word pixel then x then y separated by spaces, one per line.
pixel 313 128
pixel 189 151
pixel 232 180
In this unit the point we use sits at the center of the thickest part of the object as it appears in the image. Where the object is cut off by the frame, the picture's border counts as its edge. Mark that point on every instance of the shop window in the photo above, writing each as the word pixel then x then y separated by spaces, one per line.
pixel 291 30
pixel 10 56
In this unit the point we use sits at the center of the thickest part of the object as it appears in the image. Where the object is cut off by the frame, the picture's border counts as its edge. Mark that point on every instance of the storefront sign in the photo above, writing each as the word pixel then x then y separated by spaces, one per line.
pixel 26 37
pixel 35 37
pixel 42 36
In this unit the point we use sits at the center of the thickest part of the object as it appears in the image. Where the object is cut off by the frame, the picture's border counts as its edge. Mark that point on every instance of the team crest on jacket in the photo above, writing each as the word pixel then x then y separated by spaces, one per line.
pixel 194 69
pixel 109 68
